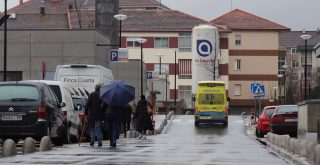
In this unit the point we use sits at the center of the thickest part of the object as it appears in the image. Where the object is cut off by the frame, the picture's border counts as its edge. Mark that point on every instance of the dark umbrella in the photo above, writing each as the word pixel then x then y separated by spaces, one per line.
pixel 117 93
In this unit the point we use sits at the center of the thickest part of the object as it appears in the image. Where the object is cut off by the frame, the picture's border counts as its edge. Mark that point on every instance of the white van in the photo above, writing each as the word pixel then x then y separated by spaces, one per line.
pixel 63 94
pixel 81 79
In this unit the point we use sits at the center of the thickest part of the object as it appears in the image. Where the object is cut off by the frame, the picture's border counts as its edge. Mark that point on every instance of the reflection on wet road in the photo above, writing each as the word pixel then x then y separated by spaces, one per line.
pixel 182 143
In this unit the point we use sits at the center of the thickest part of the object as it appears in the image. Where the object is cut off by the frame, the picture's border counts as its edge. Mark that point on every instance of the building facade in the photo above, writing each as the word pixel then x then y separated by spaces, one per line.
pixel 253 51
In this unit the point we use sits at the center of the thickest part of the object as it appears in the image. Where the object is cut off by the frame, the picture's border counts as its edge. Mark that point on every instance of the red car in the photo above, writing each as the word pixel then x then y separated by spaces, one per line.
pixel 263 122
pixel 285 120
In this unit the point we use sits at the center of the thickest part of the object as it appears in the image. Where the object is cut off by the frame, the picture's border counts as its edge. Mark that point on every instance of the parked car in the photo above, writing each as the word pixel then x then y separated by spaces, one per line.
pixel 79 103
pixel 69 111
pixel 285 120
pixel 29 109
pixel 263 123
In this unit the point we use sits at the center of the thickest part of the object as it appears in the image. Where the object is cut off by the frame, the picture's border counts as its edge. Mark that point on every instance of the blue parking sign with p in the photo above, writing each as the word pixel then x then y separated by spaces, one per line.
pixel 114 55
pixel 149 75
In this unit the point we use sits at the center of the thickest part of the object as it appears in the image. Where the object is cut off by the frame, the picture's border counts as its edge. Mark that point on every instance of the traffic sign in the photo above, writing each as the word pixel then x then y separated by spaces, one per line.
pixel 258 90
pixel 149 75
pixel 114 55
pixel 251 88
pixel 119 55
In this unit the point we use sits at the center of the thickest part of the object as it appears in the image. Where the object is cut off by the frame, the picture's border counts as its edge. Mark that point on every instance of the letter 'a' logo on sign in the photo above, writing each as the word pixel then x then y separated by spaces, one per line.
pixel 204 48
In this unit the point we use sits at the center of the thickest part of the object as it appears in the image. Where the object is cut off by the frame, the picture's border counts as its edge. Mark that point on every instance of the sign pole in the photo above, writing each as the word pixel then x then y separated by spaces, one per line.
pixel 259 105
pixel 255 104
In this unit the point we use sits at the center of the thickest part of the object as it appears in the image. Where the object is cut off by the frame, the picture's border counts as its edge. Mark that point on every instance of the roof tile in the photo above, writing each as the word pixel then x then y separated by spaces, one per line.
pixel 241 20
pixel 159 20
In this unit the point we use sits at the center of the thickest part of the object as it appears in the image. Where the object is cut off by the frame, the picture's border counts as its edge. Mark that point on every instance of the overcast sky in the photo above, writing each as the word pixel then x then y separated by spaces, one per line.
pixel 295 14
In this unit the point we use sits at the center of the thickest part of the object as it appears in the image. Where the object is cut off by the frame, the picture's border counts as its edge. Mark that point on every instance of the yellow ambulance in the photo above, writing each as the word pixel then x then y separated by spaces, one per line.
pixel 211 104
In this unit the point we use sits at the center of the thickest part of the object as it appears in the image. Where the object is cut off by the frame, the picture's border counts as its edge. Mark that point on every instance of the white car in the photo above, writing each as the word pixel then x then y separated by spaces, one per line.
pixel 72 116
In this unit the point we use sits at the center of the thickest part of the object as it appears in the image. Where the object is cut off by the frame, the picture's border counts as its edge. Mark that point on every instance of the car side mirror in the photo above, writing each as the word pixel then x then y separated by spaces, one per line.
pixel 78 107
pixel 228 99
pixel 62 104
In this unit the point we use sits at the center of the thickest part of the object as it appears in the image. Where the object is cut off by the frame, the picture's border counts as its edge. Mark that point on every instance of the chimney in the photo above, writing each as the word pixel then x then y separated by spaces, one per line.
pixel 21 2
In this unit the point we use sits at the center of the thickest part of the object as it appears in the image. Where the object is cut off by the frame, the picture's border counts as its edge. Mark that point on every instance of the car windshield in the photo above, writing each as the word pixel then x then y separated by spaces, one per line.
pixel 18 93
pixel 269 112
pixel 287 109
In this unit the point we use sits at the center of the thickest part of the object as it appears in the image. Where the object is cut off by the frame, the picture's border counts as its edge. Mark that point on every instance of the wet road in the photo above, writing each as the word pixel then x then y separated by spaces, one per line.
pixel 181 144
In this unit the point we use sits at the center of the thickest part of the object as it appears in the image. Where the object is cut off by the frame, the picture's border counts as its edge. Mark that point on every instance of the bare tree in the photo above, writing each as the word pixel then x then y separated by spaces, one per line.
pixel 212 65
pixel 78 4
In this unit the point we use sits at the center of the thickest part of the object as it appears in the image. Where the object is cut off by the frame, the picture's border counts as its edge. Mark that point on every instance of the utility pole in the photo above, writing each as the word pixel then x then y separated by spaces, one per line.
pixel 175 79
pixel 5 43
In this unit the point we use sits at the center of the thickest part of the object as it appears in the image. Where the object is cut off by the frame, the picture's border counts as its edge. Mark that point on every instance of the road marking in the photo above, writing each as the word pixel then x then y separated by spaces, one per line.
pixel 176 120
pixel 239 121
pixel 190 121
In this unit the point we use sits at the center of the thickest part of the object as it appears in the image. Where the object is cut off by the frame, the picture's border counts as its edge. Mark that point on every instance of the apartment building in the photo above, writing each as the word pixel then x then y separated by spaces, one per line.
pixel 253 56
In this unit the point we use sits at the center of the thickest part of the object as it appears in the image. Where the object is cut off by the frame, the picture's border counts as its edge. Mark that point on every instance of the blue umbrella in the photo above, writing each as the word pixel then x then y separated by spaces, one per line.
pixel 117 93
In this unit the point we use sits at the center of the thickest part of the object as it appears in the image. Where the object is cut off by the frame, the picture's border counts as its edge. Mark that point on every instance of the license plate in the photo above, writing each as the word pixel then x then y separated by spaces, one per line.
pixel 290 120
pixel 204 117
pixel 11 117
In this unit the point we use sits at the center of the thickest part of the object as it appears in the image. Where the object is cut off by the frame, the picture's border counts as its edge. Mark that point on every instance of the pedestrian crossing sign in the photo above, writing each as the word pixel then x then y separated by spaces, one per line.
pixel 257 90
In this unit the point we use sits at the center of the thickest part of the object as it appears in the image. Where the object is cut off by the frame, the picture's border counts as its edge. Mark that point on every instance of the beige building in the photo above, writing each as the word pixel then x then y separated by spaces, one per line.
pixel 253 56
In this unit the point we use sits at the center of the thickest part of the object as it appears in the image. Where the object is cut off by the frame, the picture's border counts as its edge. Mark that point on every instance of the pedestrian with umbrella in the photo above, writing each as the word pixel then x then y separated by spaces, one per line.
pixel 116 94
pixel 143 120
pixel 95 115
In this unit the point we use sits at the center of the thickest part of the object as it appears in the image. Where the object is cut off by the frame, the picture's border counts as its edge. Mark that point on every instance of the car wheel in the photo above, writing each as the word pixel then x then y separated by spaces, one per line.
pixel 69 136
pixel 225 124
pixel 62 136
pixel 196 123
pixel 75 139
pixel 257 132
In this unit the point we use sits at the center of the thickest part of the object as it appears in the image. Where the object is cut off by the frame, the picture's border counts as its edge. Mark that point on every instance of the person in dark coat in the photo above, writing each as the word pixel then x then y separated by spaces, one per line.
pixel 113 114
pixel 143 120
pixel 95 115
pixel 126 118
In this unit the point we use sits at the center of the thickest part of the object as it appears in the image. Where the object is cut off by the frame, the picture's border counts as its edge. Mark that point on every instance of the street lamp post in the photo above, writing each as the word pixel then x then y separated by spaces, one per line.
pixel 5 43
pixel 285 82
pixel 280 80
pixel 275 95
pixel 305 37
pixel 160 56
pixel 120 18
pixel 141 41
pixel 175 79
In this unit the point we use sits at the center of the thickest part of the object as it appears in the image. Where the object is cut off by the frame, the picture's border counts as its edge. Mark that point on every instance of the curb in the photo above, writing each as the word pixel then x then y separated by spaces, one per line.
pixel 161 129
pixel 294 150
